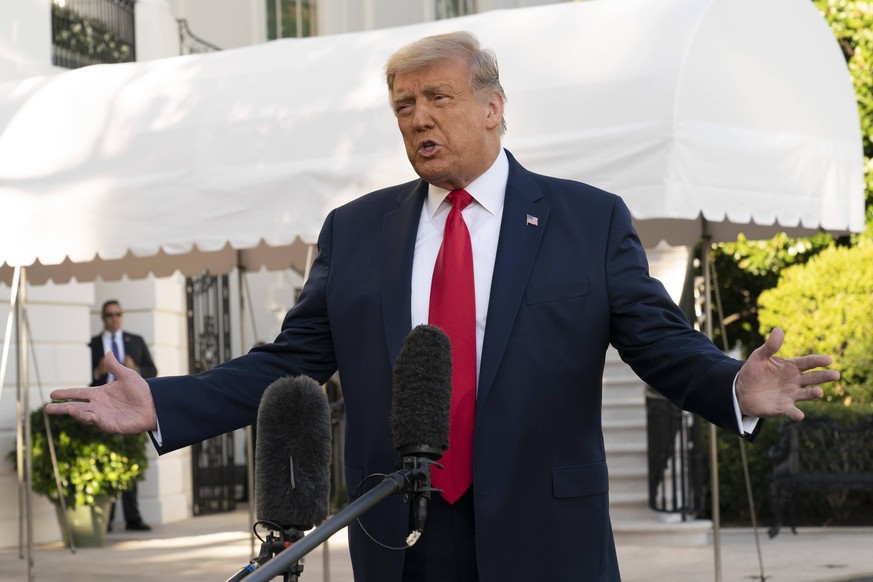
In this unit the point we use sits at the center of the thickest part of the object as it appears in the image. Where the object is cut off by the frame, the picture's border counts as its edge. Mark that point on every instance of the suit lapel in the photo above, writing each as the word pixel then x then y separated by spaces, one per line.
pixel 129 348
pixel 516 252
pixel 399 229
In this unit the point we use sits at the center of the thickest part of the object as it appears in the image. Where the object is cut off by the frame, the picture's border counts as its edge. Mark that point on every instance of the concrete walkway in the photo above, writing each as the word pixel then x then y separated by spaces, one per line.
pixel 212 548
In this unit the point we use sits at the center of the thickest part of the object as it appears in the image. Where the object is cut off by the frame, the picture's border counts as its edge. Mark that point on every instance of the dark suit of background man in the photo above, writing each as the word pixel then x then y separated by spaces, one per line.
pixel 559 275
pixel 133 351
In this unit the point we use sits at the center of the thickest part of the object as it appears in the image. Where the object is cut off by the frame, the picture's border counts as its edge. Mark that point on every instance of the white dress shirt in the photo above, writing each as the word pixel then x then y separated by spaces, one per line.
pixel 483 217
pixel 107 347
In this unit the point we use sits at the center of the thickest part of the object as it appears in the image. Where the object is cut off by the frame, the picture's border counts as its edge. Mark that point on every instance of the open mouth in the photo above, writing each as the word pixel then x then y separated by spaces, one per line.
pixel 427 148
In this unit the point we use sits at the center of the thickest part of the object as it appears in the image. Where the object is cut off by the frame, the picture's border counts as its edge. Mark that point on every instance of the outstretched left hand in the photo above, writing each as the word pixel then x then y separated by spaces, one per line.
pixel 771 386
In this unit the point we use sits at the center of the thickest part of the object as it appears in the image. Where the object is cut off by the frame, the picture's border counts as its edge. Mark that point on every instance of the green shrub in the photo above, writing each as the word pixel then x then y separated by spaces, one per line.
pixel 91 463
pixel 825 307
pixel 88 36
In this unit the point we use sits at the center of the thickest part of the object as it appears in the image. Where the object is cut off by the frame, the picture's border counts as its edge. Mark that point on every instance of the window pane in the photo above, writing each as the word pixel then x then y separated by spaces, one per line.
pixel 282 18
pixel 452 8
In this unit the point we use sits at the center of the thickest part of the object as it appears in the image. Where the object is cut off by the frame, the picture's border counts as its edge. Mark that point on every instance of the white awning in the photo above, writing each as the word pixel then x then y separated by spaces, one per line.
pixel 691 110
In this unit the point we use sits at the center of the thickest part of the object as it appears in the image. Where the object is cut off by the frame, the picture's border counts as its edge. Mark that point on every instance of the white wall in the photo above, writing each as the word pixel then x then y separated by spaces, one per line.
pixel 25 39
pixel 485 5
pixel 235 23
pixel 668 264
pixel 225 23
pixel 25 30
pixel 25 25
pixel 156 29
pixel 58 321
pixel 272 295
pixel 388 13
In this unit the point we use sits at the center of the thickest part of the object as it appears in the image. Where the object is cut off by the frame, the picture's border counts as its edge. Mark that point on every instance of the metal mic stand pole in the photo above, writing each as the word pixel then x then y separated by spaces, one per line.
pixel 396 482
pixel 271 547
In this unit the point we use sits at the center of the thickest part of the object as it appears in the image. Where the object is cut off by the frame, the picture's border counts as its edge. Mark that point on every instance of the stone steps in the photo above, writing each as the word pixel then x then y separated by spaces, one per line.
pixel 624 409
pixel 624 436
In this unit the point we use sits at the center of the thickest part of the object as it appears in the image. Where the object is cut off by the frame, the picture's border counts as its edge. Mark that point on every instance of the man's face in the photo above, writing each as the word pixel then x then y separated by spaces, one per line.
pixel 112 315
pixel 451 133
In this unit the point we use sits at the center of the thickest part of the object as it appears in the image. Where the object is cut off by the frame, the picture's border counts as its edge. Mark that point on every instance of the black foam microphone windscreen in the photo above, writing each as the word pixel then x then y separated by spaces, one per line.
pixel 422 393
pixel 292 454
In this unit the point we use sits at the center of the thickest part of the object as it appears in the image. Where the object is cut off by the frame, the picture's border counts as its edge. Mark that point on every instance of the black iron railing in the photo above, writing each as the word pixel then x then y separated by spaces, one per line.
pixel 338 495
pixel 675 458
pixel 190 43
pixel 91 32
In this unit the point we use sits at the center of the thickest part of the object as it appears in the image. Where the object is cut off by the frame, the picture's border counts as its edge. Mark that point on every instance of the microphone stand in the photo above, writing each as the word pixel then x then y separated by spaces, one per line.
pixel 277 540
pixel 414 477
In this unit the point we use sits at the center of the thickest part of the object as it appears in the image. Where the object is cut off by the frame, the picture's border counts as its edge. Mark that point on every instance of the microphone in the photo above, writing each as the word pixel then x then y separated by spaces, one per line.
pixel 292 454
pixel 422 394
pixel 292 466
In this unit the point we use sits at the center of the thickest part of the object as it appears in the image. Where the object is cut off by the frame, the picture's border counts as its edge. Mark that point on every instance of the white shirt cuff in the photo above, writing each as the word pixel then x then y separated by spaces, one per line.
pixel 156 434
pixel 746 424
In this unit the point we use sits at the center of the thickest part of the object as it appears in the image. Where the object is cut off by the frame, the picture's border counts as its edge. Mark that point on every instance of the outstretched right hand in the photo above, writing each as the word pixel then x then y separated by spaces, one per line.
pixel 124 406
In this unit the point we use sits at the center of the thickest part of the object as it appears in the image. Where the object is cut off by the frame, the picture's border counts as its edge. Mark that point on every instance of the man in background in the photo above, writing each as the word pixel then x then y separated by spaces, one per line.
pixel 132 351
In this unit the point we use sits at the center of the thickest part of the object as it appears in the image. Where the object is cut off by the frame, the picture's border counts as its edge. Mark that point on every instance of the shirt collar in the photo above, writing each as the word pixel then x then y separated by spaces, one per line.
pixel 489 189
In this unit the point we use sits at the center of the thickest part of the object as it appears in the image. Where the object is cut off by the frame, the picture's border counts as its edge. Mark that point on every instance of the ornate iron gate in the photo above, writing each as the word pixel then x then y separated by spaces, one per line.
pixel 212 460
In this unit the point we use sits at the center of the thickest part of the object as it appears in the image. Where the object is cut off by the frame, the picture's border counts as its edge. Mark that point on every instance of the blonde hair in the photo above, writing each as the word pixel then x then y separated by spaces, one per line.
pixel 463 46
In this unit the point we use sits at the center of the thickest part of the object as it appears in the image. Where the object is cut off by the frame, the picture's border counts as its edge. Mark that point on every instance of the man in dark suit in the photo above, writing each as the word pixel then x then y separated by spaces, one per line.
pixel 133 351
pixel 558 273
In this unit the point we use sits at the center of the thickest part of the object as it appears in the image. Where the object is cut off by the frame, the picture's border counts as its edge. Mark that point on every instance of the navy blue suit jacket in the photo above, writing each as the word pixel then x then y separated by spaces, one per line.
pixel 562 291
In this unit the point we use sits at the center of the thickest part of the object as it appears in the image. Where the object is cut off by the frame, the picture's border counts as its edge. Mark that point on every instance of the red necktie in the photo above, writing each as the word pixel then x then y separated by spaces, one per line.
pixel 453 309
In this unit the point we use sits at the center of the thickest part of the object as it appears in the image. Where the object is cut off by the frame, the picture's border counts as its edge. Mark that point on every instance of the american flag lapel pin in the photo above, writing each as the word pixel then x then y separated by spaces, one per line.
pixel 532 220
